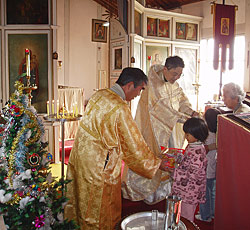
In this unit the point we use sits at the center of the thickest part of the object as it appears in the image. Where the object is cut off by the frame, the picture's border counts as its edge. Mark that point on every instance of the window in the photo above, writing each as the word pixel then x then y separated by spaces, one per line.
pixel 210 78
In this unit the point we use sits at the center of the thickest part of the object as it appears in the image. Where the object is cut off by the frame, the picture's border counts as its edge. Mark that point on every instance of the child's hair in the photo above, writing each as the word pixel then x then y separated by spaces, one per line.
pixel 211 119
pixel 197 128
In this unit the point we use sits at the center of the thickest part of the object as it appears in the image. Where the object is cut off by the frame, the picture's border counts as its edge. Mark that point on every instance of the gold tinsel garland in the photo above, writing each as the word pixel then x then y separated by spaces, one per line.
pixel 33 124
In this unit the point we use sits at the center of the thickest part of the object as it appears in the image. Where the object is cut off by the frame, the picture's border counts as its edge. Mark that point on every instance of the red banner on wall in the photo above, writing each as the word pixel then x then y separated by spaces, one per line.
pixel 224 32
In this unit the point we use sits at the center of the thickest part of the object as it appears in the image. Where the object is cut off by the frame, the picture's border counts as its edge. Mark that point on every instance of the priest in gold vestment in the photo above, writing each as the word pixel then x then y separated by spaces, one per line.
pixel 106 136
pixel 161 105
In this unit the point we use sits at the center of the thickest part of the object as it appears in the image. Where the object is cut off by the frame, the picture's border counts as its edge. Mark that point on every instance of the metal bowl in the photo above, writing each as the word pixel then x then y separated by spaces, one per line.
pixel 143 220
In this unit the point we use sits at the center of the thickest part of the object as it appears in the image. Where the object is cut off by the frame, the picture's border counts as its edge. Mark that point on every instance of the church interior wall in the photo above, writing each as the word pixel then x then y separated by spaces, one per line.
pixel 203 9
pixel 82 59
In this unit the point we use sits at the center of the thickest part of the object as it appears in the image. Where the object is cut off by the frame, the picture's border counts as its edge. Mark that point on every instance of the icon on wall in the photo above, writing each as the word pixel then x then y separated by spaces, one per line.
pixel 163 28
pixel 118 59
pixel 151 26
pixel 191 31
pixel 180 30
pixel 99 31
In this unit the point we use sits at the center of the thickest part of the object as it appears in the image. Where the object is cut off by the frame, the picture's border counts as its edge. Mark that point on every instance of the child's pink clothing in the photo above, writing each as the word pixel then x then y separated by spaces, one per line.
pixel 188 210
pixel 190 176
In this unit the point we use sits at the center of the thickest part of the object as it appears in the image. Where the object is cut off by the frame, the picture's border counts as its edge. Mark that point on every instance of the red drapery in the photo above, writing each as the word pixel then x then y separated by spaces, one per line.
pixel 232 176
pixel 224 27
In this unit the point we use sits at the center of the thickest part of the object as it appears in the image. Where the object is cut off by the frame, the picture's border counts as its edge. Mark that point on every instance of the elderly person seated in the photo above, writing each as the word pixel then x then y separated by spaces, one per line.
pixel 233 97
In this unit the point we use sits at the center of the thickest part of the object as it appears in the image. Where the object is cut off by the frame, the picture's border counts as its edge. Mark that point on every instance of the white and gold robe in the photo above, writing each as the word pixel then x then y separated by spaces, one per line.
pixel 161 105
pixel 95 191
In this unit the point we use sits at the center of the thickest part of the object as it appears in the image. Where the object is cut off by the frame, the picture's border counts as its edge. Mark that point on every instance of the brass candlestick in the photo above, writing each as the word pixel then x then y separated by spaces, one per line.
pixel 196 86
pixel 28 88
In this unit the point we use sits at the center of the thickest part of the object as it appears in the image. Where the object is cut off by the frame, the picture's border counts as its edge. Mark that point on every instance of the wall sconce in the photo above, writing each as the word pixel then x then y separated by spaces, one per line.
pixel 59 63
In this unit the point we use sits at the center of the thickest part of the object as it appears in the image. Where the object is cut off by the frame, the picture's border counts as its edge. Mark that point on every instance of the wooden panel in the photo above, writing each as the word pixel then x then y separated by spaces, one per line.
pixel 112 7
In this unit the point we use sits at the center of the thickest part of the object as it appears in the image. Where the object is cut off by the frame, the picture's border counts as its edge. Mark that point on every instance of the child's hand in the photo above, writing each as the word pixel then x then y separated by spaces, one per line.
pixel 162 166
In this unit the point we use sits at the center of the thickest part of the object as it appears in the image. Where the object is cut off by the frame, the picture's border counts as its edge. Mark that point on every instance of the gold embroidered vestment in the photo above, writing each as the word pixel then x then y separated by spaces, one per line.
pixel 161 105
pixel 107 129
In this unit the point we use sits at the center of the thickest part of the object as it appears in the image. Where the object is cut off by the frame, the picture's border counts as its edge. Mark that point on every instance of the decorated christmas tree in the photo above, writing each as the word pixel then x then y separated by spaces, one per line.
pixel 30 198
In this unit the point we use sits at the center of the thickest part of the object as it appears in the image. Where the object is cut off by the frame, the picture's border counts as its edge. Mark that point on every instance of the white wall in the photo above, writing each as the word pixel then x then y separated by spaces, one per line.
pixel 75 48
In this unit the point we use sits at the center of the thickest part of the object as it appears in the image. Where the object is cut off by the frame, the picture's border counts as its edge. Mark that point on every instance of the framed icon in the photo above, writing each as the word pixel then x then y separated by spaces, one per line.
pixel 118 58
pixel 99 31
pixel 163 30
pixel 151 26
pixel 40 68
pixel 180 30
pixel 137 23
pixel 191 31
pixel 27 12
pixel 224 26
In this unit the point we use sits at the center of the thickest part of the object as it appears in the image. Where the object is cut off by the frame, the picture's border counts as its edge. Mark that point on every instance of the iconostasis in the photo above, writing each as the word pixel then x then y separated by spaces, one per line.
pixel 153 35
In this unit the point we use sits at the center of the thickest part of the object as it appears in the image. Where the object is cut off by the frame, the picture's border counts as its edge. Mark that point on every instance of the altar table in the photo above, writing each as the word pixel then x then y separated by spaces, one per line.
pixel 232 176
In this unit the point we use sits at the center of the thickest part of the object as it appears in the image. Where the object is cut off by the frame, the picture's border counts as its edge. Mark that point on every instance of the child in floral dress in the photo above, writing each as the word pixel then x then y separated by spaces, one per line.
pixel 190 176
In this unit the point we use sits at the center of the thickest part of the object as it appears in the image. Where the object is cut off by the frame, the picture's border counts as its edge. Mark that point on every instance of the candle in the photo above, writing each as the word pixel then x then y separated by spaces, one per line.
pixel 27 54
pixel 73 109
pixel 76 111
pixel 48 108
pixel 53 108
pixel 57 108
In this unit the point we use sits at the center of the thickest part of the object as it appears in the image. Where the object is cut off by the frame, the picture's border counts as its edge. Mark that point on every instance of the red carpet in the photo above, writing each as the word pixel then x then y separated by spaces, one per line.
pixel 67 146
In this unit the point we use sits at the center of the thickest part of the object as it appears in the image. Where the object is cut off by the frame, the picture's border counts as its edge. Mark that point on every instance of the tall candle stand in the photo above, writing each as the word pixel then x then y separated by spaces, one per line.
pixel 28 88
pixel 62 120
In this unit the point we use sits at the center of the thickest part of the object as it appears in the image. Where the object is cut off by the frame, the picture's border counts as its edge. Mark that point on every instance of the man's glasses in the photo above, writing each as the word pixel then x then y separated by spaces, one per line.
pixel 175 74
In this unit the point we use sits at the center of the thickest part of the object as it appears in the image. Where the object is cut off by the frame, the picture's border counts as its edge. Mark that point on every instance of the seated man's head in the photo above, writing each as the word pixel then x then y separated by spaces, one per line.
pixel 173 68
pixel 233 95
pixel 132 81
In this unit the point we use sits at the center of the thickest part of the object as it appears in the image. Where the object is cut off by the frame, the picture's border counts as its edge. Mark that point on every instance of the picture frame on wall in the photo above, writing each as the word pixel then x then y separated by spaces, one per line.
pixel 137 23
pixel 163 28
pixel 156 55
pixel 20 12
pixel 99 31
pixel 117 58
pixel 151 26
pixel 180 30
pixel 40 68
pixel 191 31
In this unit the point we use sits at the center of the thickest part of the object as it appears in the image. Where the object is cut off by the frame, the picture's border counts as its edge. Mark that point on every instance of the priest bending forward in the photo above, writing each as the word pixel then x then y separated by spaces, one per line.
pixel 106 136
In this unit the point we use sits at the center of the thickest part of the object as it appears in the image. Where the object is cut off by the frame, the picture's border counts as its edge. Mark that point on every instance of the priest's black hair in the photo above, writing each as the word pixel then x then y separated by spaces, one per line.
pixel 130 74
pixel 174 62
pixel 197 128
